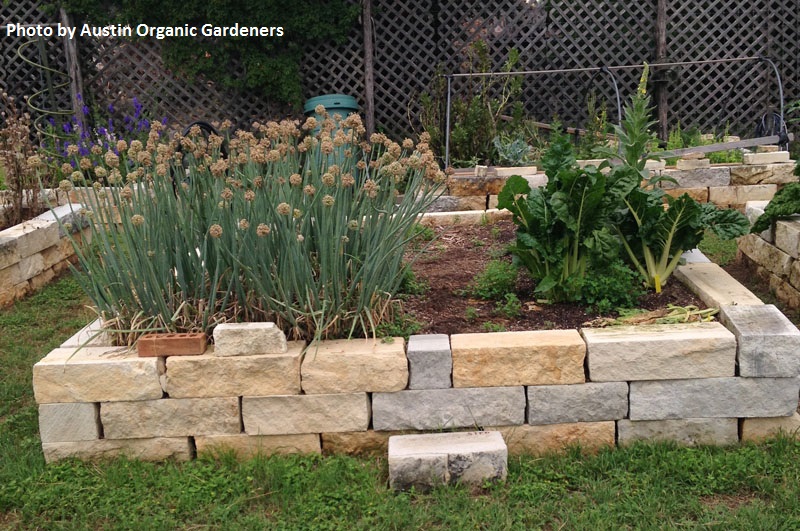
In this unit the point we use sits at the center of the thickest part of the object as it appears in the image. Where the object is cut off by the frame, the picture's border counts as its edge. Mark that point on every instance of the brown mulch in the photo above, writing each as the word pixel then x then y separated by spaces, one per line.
pixel 458 254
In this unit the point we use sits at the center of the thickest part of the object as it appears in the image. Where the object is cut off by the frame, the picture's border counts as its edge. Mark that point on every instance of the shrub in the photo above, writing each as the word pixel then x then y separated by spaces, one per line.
pixel 614 286
pixel 304 231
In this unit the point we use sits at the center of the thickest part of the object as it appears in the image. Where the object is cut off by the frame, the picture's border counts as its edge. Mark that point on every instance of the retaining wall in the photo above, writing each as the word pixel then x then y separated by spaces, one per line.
pixel 702 383
pixel 726 185
pixel 35 251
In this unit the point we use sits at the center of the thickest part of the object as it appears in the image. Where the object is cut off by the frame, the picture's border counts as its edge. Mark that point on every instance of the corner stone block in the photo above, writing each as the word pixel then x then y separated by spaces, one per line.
pixel 91 335
pixel 427 460
pixel 355 365
pixel 437 409
pixel 248 339
pixel 430 362
pixel 285 415
pixel 69 422
pixel 781 173
pixel 590 402
pixel 714 398
pixel 660 352
pixel 688 432
pixel 544 357
pixel 715 286
pixel 170 417
pixel 538 440
pixel 155 449
pixel 768 343
pixel 787 236
pixel 760 429
pixel 96 374
pixel 699 178
pixel 209 376
pixel 247 446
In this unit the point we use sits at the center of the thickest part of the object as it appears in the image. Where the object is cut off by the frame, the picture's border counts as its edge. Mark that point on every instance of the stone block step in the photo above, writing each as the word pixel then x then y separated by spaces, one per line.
pixel 428 460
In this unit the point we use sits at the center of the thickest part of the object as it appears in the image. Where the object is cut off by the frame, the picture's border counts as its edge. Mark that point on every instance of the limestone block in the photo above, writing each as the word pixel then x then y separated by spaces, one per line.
pixel 660 352
pixel 246 446
pixel 427 460
pixel 766 158
pixel 30 266
pixel 753 210
pixel 688 432
pixel 784 291
pixel 537 440
pixel 715 286
pixel 452 203
pixel 794 274
pixel 517 358
pixel 346 366
pixel 768 343
pixel 96 374
pixel 8 250
pixel 170 417
pixel 517 170
pixel 787 236
pixel 655 165
pixel 703 177
pixel 698 194
pixel 763 174
pixel 248 339
pixel 767 149
pixel 713 397
pixel 466 185
pixel 42 279
pixel 466 218
pixel 436 409
pixel 154 449
pixel 280 415
pixel 760 429
pixel 766 255
pixel 737 195
pixel 11 275
pixel 695 256
pixel 33 236
pixel 208 375
pixel 692 164
pixel 583 163
pixel 589 402
pixel 430 362
pixel 536 181
pixel 695 155
pixel 91 335
pixel 69 422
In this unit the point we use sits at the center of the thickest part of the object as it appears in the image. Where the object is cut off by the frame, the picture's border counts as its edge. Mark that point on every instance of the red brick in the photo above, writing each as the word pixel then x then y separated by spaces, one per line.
pixel 171 344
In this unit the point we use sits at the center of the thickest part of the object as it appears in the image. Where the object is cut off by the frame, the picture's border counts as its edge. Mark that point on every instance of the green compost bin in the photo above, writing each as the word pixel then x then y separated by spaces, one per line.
pixel 336 104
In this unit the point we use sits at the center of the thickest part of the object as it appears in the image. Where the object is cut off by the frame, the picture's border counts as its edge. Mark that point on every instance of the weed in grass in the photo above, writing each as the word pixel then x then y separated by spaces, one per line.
pixel 403 325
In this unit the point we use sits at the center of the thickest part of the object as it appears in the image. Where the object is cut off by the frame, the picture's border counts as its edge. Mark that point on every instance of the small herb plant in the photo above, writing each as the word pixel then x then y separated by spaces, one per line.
pixel 495 281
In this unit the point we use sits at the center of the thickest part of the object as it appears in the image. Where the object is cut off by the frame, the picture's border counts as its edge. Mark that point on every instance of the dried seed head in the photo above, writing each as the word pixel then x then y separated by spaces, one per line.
pixel 328 200
pixel 284 209
pixel 295 179
pixel 249 196
pixel 262 230
pixel 137 220
pixel 328 179
pixel 215 231
pixel 244 224
pixel 65 185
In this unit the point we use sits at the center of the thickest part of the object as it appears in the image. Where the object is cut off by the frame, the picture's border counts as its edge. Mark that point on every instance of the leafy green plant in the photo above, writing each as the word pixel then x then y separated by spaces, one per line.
pixel 489 326
pixel 471 313
pixel 402 325
pixel 785 203
pixel 655 234
pixel 476 108
pixel 305 232
pixel 511 307
pixel 596 128
pixel 563 228
pixel 512 150
pixel 614 286
pixel 497 278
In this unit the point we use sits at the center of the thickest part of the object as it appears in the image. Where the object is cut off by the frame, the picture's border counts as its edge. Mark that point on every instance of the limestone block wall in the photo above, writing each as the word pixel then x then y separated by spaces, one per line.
pixel 774 254
pixel 726 185
pixel 699 383
pixel 35 251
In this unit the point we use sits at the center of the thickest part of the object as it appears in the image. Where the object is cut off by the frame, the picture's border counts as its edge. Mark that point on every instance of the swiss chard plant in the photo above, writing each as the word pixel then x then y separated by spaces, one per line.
pixel 655 228
pixel 563 228
pixel 784 204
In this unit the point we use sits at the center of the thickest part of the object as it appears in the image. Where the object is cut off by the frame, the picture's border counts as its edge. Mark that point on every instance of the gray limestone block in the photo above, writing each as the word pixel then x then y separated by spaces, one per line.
pixel 689 432
pixel 430 362
pixel 436 409
pixel 768 343
pixel 698 178
pixel 590 402
pixel 713 397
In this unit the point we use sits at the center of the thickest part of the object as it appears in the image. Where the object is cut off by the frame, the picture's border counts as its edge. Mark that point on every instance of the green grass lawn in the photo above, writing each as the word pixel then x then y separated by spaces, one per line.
pixel 647 486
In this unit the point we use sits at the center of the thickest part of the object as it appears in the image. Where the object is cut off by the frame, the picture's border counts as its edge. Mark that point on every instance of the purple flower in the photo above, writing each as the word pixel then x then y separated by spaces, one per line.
pixel 102 131
pixel 110 125
pixel 110 108
pixel 164 121
pixel 52 121
pixel 137 107
pixel 83 151
pixel 79 97
pixel 67 127
pixel 85 110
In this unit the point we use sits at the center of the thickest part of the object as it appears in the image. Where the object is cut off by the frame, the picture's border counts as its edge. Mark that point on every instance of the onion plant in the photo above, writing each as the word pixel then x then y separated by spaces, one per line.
pixel 304 226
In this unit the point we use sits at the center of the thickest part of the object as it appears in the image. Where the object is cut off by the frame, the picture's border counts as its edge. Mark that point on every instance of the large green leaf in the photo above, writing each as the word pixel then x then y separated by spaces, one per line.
pixel 785 203
pixel 727 224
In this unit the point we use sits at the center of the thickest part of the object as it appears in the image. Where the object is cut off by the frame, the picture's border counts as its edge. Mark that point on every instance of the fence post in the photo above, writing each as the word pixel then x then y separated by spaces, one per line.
pixel 369 68
pixel 662 88
pixel 73 68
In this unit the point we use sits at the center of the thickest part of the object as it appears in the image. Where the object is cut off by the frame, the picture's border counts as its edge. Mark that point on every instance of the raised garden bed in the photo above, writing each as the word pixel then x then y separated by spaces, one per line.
pixel 698 383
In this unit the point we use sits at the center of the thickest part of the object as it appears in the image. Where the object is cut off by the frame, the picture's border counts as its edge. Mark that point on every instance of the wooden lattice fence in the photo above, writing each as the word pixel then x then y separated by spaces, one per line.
pixel 414 38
